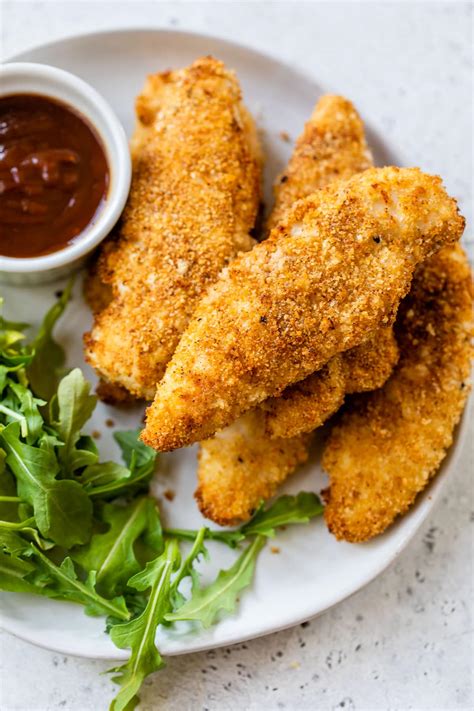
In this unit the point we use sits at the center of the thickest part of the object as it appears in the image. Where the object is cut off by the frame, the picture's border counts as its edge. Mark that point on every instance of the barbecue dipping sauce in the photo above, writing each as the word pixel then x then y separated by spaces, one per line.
pixel 53 175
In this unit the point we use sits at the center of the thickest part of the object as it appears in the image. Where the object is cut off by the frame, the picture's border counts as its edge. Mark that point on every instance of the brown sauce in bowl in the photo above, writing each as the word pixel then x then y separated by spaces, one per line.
pixel 54 175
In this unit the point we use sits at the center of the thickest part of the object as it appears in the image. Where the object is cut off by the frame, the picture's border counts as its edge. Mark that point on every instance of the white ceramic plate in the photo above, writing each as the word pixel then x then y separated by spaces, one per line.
pixel 313 571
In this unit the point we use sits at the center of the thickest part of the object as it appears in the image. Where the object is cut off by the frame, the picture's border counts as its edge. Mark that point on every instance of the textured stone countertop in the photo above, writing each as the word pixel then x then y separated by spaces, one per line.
pixel 406 640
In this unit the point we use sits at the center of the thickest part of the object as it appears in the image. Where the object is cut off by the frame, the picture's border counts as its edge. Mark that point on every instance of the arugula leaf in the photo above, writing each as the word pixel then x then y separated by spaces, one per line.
pixel 139 634
pixel 11 332
pixel 74 407
pixel 48 362
pixel 111 554
pixel 13 574
pixel 284 511
pixel 12 543
pixel 28 406
pixel 134 452
pixel 62 509
pixel 117 480
pixel 7 489
pixel 186 568
pixel 13 355
pixel 101 474
pixel 62 582
pixel 13 569
pixel 84 454
pixel 206 604
pixel 136 481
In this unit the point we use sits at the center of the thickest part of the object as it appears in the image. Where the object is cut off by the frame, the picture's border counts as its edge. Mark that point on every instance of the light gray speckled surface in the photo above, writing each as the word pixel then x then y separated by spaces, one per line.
pixel 406 640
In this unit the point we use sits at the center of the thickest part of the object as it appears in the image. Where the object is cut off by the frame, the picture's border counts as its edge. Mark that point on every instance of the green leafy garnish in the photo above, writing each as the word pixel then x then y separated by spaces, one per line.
pixel 283 512
pixel 112 554
pixel 62 582
pixel 74 406
pixel 14 570
pixel 62 509
pixel 139 634
pixel 223 594
pixel 47 365
pixel 78 529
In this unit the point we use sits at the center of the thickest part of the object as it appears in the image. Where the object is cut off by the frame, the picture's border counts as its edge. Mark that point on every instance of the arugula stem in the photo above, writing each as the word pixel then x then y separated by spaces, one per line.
pixel 116 488
pixel 93 596
pixel 16 416
pixel 230 538
pixel 11 499
pixel 187 563
pixel 18 526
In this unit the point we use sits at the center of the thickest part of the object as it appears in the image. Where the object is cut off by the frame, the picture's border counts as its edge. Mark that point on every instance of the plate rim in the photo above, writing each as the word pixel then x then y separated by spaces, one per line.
pixel 432 492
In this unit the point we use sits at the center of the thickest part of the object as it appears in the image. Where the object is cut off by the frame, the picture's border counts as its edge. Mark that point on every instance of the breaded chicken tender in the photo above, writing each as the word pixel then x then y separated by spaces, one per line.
pixel 193 202
pixel 333 271
pixel 307 405
pixel 331 147
pixel 389 443
pixel 233 461
pixel 241 464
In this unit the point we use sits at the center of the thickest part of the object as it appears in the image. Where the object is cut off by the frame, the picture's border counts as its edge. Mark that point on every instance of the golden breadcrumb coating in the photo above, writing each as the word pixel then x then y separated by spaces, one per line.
pixel 234 462
pixel 331 147
pixel 389 443
pixel 371 364
pixel 194 198
pixel 97 294
pixel 306 405
pixel 332 272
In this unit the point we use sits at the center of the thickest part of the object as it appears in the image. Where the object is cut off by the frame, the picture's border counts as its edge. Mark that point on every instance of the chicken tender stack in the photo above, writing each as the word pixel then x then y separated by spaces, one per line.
pixel 193 202
pixel 246 461
pixel 333 271
pixel 389 443
pixel 308 404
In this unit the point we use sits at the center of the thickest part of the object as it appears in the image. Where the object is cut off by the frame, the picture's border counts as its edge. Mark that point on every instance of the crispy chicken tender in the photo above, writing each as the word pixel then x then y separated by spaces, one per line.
pixel 241 465
pixel 331 147
pixel 233 460
pixel 308 404
pixel 328 275
pixel 194 199
pixel 389 443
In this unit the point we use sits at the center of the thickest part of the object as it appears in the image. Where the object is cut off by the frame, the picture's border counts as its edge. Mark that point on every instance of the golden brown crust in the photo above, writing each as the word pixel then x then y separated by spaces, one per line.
pixel 237 467
pixel 194 198
pixel 333 271
pixel 389 443
pixel 307 405
pixel 331 147
pixel 233 463
pixel 371 364
pixel 113 394
pixel 97 294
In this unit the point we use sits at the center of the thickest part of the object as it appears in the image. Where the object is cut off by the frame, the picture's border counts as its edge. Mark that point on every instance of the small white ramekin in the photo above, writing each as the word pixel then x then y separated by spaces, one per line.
pixel 41 79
